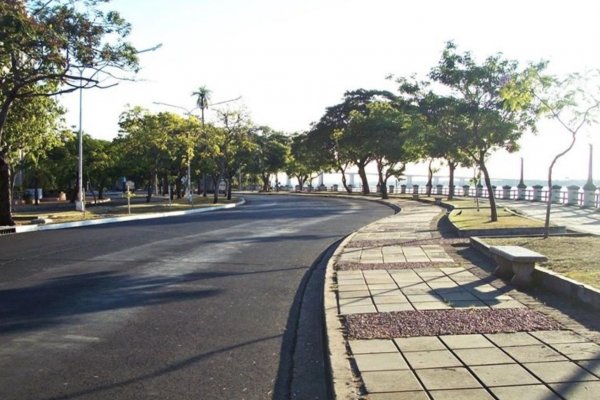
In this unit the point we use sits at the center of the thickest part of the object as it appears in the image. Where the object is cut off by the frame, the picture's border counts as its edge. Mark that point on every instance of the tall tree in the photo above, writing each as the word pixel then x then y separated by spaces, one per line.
pixel 202 95
pixel 444 134
pixel 43 44
pixel 388 127
pixel 573 102
pixel 304 163
pixel 340 146
pixel 492 123
pixel 271 154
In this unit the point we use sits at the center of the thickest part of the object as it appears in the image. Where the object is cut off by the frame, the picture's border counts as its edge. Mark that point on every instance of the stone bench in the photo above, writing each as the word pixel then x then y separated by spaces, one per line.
pixel 438 200
pixel 516 261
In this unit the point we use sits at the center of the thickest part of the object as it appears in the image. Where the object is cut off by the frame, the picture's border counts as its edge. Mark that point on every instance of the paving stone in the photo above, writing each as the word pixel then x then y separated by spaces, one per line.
pixel 422 298
pixel 551 337
pixel 466 341
pixel 504 375
pixel 524 392
pixel 457 291
pixel 447 378
pixel 413 288
pixel 372 346
pixel 354 294
pixel 390 299
pixel 559 371
pixel 431 305
pixel 380 362
pixel 578 391
pixel 357 301
pixel 351 288
pixel 593 366
pixel 579 351
pixel 467 304
pixel 395 307
pixel 462 394
pixel 378 286
pixel 512 339
pixel 357 309
pixel 420 395
pixel 386 292
pixel 432 359
pixel 534 353
pixel 422 343
pixel 390 381
pixel 483 356
pixel 505 304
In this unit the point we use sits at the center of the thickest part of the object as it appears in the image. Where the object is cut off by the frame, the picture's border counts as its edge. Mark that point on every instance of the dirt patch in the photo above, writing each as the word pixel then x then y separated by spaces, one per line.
pixel 445 322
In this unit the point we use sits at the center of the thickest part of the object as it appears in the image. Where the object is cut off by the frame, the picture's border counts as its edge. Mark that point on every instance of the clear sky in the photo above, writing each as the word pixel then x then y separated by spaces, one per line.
pixel 289 60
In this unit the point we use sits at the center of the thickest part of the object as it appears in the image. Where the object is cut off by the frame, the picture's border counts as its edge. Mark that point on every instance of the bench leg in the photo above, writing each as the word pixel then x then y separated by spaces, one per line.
pixel 523 274
pixel 503 267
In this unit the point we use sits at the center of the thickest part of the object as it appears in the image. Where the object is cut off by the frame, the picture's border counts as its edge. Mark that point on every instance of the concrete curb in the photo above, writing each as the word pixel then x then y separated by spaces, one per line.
pixel 553 281
pixel 343 383
pixel 342 380
pixel 102 221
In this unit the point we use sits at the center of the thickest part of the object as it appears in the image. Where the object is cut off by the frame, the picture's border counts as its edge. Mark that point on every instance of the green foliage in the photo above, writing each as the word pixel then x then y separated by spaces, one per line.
pixel 492 122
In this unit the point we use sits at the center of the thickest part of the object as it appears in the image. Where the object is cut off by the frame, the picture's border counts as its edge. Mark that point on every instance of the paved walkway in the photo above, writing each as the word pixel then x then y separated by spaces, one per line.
pixel 378 273
pixel 586 220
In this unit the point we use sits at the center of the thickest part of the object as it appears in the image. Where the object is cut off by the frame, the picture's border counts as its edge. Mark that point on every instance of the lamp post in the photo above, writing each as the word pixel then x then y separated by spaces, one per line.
pixel 80 201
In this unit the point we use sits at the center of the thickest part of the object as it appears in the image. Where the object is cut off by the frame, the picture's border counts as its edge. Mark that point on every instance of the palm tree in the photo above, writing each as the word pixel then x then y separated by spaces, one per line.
pixel 202 97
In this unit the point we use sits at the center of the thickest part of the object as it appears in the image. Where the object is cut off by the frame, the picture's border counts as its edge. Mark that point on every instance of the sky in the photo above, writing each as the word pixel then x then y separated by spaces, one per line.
pixel 289 60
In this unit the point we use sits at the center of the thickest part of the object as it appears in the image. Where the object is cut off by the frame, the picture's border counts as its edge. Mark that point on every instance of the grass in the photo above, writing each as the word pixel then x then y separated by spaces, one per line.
pixel 466 215
pixel 60 213
pixel 573 256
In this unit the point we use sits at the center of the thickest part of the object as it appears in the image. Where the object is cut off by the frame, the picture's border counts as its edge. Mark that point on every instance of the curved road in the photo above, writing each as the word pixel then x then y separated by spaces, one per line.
pixel 192 307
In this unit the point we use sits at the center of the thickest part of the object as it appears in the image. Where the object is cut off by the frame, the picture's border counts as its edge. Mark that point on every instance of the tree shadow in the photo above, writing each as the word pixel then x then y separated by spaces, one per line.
pixel 55 301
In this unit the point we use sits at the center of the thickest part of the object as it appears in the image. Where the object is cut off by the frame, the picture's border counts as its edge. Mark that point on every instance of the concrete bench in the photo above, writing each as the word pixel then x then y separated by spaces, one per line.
pixel 516 261
pixel 437 200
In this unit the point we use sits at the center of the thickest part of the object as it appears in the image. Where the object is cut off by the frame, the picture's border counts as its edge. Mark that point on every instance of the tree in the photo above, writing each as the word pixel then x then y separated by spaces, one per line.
pixel 491 122
pixel 304 163
pixel 202 99
pixel 271 155
pixel 444 134
pixel 388 127
pixel 43 43
pixel 235 146
pixel 339 147
pixel 31 130
pixel 573 102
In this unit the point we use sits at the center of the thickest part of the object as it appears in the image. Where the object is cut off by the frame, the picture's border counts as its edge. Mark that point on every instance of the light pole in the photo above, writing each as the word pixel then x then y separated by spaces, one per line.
pixel 80 201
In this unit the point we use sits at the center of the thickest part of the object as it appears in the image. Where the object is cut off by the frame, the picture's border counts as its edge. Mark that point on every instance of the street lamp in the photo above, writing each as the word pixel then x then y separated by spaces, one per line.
pixel 80 201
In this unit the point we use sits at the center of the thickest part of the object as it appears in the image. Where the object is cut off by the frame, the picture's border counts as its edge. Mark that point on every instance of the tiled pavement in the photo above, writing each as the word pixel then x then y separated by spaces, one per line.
pixel 540 365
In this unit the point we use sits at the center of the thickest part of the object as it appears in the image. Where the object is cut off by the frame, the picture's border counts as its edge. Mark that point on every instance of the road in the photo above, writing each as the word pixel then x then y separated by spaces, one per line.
pixel 192 307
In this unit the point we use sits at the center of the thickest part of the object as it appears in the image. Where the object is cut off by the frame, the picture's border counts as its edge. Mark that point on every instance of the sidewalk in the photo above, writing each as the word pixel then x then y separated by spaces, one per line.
pixel 585 220
pixel 421 321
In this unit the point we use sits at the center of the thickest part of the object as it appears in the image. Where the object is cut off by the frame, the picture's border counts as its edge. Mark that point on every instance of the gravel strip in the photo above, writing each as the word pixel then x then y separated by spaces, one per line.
pixel 389 325
pixel 412 242
pixel 353 266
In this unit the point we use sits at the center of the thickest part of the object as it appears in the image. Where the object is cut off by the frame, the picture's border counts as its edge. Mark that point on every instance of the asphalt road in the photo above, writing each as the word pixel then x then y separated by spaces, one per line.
pixel 192 307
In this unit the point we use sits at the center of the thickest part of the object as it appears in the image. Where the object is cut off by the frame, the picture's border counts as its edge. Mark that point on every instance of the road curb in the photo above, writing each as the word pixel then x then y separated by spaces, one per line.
pixel 102 221
pixel 342 379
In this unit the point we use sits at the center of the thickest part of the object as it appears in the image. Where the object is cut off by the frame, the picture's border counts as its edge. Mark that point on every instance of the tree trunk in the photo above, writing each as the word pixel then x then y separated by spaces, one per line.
pixel 429 184
pixel 363 176
pixel 549 202
pixel 451 168
pixel 382 181
pixel 488 185
pixel 216 180
pixel 265 178
pixel 5 193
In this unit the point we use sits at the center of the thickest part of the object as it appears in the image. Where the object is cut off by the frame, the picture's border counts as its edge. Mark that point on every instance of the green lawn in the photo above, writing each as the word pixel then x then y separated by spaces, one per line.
pixel 572 256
